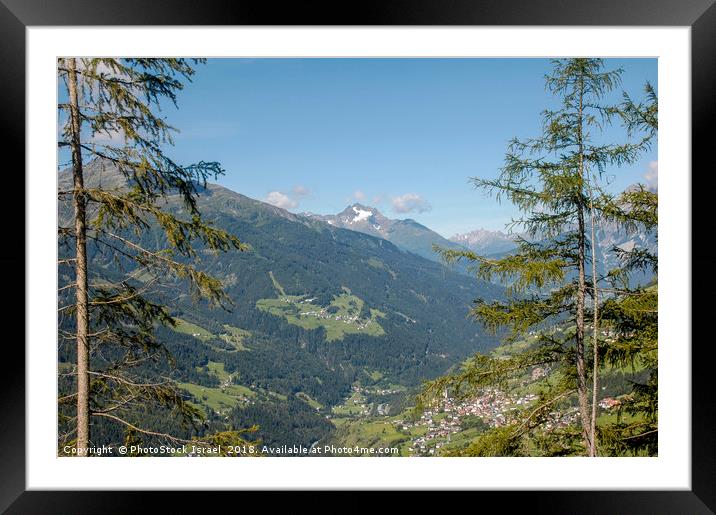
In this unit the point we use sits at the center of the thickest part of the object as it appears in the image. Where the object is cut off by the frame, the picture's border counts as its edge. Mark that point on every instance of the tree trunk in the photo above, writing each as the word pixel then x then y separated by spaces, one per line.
pixel 595 337
pixel 581 293
pixel 82 301
pixel 581 368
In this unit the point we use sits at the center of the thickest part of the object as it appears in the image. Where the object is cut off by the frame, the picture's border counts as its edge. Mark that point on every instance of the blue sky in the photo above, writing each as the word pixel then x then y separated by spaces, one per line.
pixel 403 135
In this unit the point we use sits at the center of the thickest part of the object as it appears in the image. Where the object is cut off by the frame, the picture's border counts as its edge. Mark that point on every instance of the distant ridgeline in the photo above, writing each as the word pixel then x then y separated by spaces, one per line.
pixel 316 309
pixel 406 234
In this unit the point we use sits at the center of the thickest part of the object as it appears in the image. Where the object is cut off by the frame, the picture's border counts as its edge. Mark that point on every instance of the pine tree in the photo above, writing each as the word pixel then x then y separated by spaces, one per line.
pixel 631 313
pixel 112 120
pixel 555 181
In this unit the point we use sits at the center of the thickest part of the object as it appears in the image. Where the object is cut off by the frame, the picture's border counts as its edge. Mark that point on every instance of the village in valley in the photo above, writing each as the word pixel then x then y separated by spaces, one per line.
pixel 449 421
pixel 345 314
pixel 326 314
pixel 379 413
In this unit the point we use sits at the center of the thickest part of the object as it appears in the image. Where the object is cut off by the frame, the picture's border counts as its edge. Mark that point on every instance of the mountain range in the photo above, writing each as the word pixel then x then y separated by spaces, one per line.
pixel 608 236
pixel 406 234
pixel 484 242
pixel 320 303
pixel 305 256
pixel 413 237
pixel 316 307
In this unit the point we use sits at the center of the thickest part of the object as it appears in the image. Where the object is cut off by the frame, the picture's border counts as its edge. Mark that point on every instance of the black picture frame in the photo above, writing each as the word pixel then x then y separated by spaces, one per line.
pixel 700 15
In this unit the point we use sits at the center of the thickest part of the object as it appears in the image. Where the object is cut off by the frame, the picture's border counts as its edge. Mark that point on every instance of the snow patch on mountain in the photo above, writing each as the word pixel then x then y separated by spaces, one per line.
pixel 361 214
pixel 486 242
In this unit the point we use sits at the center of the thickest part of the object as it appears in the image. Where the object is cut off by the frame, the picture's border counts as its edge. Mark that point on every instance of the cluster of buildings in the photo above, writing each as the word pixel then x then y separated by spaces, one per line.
pixel 226 382
pixel 347 319
pixel 608 403
pixel 375 390
pixel 560 419
pixel 382 409
pixel 493 406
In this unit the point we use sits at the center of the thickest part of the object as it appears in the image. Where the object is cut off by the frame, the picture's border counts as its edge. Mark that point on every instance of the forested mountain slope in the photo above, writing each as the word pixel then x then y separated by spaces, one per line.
pixel 315 308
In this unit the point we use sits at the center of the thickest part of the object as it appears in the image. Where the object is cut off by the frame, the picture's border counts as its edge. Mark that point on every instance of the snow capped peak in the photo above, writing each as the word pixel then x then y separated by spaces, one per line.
pixel 480 236
pixel 485 241
pixel 361 214
pixel 359 217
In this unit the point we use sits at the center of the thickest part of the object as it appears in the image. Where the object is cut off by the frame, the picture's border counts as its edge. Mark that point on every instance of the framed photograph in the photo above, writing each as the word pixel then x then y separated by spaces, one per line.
pixel 293 242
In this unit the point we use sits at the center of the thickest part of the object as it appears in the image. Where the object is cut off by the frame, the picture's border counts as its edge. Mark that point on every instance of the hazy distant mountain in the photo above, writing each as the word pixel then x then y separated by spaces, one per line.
pixel 485 242
pixel 608 235
pixel 407 234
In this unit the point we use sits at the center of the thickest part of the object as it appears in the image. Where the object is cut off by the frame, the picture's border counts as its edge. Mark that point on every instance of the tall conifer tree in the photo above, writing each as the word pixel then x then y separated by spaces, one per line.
pixel 112 120
pixel 554 180
pixel 631 311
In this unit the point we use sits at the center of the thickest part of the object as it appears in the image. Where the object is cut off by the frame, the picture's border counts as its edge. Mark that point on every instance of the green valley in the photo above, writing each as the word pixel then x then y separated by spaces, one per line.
pixel 342 316
pixel 311 310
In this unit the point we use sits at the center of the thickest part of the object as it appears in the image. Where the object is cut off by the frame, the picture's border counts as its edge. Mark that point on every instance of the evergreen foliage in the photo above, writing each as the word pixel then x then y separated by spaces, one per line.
pixel 112 120
pixel 555 180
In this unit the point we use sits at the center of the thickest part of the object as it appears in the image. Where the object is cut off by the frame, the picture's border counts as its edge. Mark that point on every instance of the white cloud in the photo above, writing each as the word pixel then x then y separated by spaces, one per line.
pixel 101 68
pixel 359 195
pixel 299 191
pixel 278 199
pixel 114 137
pixel 288 200
pixel 652 176
pixel 410 202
